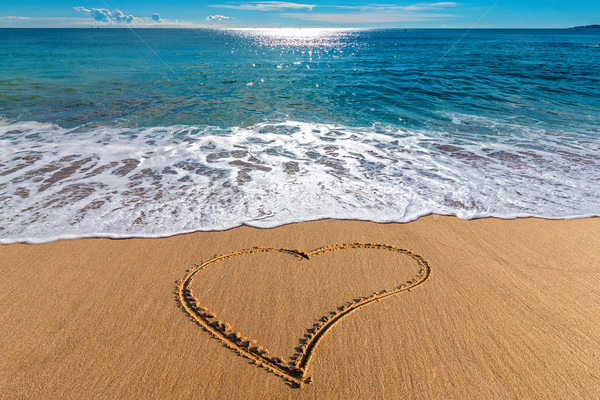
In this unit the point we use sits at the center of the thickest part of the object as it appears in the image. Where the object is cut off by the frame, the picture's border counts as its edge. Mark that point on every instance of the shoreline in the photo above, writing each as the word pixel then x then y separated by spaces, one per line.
pixel 119 236
pixel 508 311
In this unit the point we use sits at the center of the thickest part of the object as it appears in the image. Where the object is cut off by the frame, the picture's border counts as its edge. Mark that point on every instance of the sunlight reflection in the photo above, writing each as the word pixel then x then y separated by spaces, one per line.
pixel 295 36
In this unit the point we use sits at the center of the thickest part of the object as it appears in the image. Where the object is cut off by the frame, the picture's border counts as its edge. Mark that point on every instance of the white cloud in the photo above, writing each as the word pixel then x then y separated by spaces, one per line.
pixel 116 18
pixel 216 17
pixel 106 15
pixel 265 6
pixel 365 17
pixel 408 8
pixel 12 18
pixel 380 13
pixel 432 6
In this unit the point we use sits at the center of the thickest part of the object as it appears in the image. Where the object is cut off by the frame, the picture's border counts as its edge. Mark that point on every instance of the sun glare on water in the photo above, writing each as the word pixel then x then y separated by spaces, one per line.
pixel 294 36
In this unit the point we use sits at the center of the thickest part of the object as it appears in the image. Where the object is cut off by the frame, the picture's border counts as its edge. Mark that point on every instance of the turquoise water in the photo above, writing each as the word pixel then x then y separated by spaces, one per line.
pixel 118 132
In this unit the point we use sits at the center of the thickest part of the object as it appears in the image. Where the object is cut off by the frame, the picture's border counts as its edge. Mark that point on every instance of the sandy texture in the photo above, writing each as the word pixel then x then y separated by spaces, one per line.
pixel 510 310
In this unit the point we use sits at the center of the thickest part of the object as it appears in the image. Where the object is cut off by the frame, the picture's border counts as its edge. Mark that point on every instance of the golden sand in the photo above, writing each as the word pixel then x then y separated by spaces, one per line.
pixel 436 308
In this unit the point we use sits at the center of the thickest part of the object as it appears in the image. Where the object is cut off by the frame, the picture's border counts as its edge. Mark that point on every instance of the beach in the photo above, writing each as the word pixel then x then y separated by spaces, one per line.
pixel 314 213
pixel 508 310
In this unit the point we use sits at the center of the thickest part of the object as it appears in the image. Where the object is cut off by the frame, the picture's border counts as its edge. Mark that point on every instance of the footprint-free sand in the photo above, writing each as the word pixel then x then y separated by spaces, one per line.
pixel 509 310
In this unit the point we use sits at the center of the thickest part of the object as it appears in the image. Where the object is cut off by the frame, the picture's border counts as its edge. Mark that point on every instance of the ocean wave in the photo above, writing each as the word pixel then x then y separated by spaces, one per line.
pixel 103 181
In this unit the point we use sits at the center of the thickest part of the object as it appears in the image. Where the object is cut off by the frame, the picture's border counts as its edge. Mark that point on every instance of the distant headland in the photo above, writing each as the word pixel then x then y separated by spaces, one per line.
pixel 587 27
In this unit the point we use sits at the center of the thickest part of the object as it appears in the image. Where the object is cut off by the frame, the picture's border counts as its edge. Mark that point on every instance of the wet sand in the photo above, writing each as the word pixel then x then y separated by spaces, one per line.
pixel 447 309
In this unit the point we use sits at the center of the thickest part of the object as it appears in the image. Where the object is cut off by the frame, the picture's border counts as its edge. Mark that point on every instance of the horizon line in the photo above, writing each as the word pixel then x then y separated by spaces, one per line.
pixel 281 27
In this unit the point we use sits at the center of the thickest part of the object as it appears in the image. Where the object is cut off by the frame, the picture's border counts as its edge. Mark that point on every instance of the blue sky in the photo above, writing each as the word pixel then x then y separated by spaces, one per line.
pixel 316 13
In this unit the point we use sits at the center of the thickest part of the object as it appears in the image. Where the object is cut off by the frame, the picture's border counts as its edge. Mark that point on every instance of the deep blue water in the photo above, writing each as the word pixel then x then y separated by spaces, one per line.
pixel 119 132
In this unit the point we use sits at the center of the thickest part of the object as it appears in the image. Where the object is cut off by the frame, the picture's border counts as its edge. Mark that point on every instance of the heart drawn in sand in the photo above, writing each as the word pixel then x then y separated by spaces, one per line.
pixel 294 372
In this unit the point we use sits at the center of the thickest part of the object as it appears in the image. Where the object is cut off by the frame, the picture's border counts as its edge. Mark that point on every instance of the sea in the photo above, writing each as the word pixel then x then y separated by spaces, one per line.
pixel 155 132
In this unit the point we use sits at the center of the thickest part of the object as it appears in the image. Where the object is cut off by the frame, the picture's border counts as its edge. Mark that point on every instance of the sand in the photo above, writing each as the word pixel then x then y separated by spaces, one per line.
pixel 480 309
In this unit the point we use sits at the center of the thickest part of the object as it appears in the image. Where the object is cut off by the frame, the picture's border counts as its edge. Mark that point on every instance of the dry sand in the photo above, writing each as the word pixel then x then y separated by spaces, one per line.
pixel 510 310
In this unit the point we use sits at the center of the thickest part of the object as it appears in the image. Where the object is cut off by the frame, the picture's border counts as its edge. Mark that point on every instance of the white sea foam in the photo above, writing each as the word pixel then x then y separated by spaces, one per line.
pixel 116 182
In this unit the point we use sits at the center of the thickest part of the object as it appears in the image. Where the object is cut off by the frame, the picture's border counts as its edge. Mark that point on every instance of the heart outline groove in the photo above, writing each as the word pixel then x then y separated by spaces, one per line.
pixel 294 373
